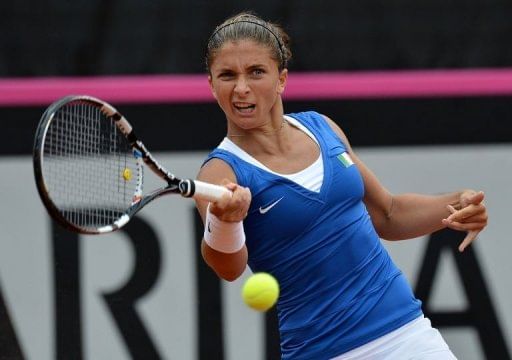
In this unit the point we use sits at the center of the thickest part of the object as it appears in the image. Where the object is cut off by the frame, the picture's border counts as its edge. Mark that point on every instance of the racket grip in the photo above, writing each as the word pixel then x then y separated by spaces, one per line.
pixel 202 190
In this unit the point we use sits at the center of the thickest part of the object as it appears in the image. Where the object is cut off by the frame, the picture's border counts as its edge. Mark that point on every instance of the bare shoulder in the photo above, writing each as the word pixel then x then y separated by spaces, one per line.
pixel 216 171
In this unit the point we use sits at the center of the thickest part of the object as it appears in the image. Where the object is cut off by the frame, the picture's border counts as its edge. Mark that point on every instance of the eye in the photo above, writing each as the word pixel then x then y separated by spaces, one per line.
pixel 258 72
pixel 225 75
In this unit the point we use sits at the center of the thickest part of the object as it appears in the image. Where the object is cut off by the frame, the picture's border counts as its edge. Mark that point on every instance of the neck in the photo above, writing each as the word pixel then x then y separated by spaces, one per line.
pixel 272 131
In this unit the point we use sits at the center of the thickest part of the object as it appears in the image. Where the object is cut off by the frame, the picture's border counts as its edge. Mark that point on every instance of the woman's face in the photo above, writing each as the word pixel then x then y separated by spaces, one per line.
pixel 246 82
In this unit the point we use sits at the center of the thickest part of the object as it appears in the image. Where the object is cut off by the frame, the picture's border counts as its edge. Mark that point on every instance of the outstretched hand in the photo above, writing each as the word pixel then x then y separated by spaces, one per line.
pixel 471 216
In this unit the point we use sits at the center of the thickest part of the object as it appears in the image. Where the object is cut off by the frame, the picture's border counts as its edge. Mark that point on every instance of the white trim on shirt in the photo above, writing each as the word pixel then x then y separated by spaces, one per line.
pixel 310 178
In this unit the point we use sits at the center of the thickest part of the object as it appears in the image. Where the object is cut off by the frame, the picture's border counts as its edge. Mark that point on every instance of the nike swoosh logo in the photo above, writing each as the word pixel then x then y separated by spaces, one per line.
pixel 264 210
pixel 209 230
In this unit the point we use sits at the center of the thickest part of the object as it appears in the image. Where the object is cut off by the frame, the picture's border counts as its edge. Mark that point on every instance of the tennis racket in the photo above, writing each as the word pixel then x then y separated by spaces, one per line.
pixel 89 167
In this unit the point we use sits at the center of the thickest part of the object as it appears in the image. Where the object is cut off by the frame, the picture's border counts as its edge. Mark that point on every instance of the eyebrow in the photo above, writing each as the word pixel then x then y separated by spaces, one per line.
pixel 256 66
pixel 250 67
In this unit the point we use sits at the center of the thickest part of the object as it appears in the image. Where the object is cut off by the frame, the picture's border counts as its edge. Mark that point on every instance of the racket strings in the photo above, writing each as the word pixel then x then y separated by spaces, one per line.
pixel 89 168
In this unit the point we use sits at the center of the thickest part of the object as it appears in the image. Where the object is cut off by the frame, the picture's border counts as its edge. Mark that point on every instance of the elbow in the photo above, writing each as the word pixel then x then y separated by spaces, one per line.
pixel 230 275
pixel 385 223
pixel 382 227
pixel 385 235
pixel 387 232
pixel 391 233
pixel 391 238
pixel 227 273
pixel 226 266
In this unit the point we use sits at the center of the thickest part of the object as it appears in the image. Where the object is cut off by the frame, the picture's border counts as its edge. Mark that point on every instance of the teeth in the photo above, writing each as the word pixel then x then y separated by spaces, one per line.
pixel 244 107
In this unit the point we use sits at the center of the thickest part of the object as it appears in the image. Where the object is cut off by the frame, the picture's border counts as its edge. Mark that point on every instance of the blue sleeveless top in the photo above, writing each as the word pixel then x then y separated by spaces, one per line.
pixel 339 287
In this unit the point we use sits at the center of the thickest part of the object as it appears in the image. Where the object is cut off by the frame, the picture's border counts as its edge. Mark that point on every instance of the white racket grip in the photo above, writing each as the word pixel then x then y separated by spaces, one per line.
pixel 207 191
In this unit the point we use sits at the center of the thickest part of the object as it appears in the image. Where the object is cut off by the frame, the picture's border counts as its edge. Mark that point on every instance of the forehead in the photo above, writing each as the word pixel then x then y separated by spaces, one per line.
pixel 242 51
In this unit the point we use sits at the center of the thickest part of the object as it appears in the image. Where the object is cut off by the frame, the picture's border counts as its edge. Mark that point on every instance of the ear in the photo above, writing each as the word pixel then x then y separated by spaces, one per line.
pixel 210 82
pixel 283 77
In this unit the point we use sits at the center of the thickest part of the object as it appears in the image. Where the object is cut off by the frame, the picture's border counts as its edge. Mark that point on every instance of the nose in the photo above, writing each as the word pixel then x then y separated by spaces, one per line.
pixel 241 85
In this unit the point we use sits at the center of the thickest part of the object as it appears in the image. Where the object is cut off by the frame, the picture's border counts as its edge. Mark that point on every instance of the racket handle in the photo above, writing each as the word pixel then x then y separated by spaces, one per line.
pixel 202 190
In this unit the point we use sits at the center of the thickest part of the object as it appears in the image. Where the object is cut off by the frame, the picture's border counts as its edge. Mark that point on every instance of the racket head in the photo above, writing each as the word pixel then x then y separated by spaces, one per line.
pixel 87 173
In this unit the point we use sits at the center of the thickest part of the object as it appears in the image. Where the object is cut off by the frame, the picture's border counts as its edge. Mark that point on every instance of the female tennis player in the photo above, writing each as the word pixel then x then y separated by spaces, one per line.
pixel 307 210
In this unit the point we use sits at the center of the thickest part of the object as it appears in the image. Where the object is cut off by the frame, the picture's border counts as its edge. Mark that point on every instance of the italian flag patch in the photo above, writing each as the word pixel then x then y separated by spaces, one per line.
pixel 345 159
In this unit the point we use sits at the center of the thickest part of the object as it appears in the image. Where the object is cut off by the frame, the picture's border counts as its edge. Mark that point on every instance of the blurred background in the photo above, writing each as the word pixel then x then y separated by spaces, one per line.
pixel 423 90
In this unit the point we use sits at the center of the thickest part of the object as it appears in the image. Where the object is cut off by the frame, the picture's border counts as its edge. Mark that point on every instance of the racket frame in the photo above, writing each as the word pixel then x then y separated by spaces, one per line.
pixel 185 187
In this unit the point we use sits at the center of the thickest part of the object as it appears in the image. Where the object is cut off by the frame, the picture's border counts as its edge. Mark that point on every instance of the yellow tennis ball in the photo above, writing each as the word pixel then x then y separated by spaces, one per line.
pixel 260 291
pixel 127 174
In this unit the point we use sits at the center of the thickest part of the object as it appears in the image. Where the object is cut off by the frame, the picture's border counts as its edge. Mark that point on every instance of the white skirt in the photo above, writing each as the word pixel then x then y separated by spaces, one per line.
pixel 416 340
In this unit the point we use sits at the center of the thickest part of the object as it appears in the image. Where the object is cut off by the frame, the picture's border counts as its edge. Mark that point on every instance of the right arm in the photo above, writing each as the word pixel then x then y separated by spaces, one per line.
pixel 228 266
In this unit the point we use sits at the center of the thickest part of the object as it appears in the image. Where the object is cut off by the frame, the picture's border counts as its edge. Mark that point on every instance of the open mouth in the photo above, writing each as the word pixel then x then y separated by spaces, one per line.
pixel 244 107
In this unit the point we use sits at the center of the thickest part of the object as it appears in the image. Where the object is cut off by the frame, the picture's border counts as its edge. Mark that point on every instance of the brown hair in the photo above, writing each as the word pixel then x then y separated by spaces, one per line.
pixel 249 26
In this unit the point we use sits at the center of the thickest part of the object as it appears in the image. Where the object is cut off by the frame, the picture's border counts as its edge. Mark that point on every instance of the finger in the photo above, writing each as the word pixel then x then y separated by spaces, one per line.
pixel 476 198
pixel 470 237
pixel 451 209
pixel 218 207
pixel 465 226
pixel 240 202
pixel 226 198
pixel 476 218
pixel 467 212
pixel 230 185
pixel 247 195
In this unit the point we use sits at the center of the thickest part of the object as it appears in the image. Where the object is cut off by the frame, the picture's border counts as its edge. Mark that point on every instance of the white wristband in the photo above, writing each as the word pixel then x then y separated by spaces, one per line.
pixel 224 236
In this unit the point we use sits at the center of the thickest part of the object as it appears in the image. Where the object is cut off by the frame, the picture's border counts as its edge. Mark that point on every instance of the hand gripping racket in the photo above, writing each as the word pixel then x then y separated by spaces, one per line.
pixel 88 166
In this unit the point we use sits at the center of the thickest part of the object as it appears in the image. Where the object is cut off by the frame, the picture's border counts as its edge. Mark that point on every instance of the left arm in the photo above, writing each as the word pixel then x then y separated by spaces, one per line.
pixel 406 216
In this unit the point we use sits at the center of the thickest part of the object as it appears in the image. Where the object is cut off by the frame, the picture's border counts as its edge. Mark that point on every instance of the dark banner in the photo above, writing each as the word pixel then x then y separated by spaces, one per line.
pixel 380 122
pixel 139 37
